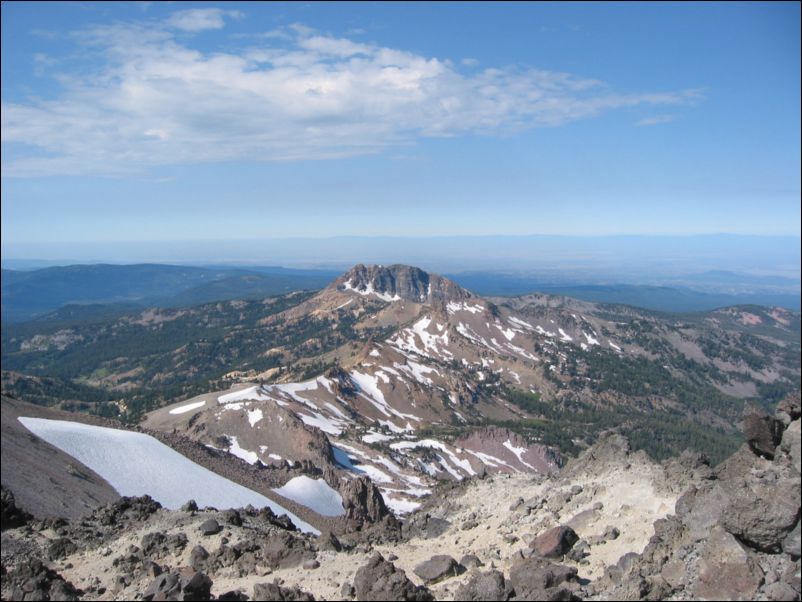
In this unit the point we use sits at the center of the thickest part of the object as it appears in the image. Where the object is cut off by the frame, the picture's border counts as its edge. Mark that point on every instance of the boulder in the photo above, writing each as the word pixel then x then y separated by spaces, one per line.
pixel 790 408
pixel 424 525
pixel 190 506
pixel 727 570
pixel 538 579
pixel 197 557
pixel 61 547
pixel 210 527
pixel 437 568
pixel 470 561
pixel 381 580
pixel 554 543
pixel 273 591
pixel 763 507
pixel 194 584
pixel 484 586
pixel 232 517
pixel 157 544
pixel 763 433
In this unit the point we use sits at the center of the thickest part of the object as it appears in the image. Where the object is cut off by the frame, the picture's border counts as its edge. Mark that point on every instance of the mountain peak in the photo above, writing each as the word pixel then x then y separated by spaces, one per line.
pixel 397 282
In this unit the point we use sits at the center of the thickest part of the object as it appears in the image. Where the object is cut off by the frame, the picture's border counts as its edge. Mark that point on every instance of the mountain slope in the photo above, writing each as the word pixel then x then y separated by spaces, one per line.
pixel 429 363
pixel 394 351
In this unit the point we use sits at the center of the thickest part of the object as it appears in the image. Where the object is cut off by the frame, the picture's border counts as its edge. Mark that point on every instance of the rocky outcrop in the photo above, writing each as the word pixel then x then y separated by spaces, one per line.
pixel 362 501
pixel 734 534
pixel 400 282
pixel 32 580
pixel 381 580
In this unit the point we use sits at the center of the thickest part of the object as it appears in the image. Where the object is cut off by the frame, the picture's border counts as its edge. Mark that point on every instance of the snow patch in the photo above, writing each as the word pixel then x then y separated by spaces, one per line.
pixel 188 408
pixel 235 450
pixel 313 493
pixel 255 416
pixel 136 464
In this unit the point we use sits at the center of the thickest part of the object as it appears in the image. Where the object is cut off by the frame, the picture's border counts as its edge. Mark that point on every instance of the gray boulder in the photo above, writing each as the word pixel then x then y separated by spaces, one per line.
pixel 210 527
pixel 538 579
pixel 273 591
pixel 485 586
pixel 437 568
pixel 763 433
pixel 763 507
pixel 381 580
pixel 187 584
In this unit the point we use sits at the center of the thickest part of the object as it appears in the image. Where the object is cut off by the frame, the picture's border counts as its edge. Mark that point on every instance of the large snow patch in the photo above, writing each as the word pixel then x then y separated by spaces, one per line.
pixel 137 464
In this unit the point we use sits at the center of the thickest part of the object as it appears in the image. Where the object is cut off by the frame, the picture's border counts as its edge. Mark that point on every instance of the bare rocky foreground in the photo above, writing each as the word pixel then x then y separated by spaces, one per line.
pixel 611 524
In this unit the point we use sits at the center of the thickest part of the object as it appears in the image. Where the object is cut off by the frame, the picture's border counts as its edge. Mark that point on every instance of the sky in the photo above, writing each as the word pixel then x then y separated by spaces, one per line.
pixel 184 122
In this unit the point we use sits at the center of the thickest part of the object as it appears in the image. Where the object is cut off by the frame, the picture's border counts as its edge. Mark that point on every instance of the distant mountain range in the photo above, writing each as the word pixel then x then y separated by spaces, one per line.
pixel 34 294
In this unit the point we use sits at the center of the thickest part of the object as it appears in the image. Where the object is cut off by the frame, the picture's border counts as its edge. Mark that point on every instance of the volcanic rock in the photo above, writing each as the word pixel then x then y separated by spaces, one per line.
pixel 381 580
pixel 437 568
pixel 555 543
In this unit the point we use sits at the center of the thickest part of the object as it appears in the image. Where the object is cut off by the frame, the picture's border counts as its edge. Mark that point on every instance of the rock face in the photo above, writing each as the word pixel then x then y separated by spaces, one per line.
pixel 398 282
pixel 381 580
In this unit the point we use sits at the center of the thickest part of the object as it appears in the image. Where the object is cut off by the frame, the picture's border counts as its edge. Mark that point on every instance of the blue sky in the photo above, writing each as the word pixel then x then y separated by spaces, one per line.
pixel 203 121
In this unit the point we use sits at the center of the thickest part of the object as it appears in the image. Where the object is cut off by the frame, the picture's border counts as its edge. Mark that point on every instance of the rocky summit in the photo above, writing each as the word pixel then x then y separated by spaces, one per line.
pixel 397 282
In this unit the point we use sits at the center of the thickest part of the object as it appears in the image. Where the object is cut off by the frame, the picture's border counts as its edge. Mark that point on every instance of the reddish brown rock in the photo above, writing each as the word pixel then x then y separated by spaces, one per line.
pixel 555 542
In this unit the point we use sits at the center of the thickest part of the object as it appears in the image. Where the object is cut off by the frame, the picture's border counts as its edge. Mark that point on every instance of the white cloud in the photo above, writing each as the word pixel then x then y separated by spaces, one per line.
pixel 655 120
pixel 200 19
pixel 154 100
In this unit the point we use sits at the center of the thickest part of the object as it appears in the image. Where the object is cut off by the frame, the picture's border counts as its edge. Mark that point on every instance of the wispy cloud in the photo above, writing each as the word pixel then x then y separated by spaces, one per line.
pixel 655 120
pixel 200 19
pixel 152 99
